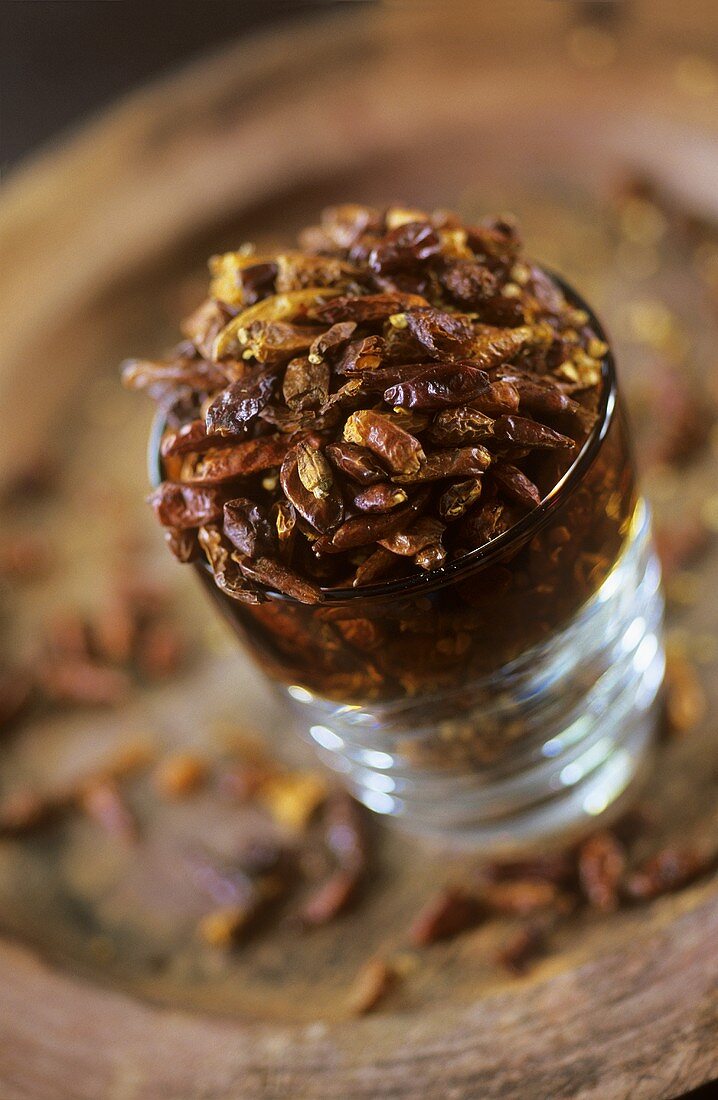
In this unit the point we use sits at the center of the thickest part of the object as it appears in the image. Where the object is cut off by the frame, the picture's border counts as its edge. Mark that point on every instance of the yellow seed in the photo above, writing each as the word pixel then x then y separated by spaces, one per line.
pixel 454 243
pixel 520 274
pixel 314 471
pixel 401 215
pixel 577 317
pixel 568 371
pixel 597 348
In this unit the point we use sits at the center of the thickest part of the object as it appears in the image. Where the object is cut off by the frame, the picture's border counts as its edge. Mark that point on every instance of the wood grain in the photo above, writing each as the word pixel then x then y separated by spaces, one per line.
pixel 609 1030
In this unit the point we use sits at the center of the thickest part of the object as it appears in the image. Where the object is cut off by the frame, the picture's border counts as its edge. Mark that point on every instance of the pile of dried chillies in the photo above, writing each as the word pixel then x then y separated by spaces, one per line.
pixel 397 393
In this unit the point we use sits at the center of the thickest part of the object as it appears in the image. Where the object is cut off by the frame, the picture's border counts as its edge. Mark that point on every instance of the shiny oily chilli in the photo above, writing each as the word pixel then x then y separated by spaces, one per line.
pixel 365 529
pixel 460 462
pixel 357 463
pixel 278 307
pixel 400 451
pixel 442 385
pixel 247 527
pixel 238 404
pixel 182 506
pixel 227 574
pixel 225 464
pixel 323 512
pixel 306 383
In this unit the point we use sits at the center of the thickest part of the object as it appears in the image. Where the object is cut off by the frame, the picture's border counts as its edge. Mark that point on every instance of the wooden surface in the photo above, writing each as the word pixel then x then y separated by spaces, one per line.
pixel 102 244
pixel 565 1035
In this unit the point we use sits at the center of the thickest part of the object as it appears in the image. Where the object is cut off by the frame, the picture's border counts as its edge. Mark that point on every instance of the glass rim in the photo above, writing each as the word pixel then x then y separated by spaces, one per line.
pixel 489 552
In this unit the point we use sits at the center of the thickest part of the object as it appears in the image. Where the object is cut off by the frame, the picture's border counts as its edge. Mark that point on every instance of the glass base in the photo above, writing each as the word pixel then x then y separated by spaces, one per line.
pixel 535 751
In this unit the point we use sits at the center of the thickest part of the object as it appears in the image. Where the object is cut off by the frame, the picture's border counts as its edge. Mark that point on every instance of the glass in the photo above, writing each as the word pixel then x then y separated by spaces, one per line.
pixel 506 697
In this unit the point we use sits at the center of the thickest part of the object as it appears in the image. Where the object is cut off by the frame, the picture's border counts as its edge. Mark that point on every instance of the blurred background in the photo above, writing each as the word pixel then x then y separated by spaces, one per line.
pixel 138 138
pixel 94 50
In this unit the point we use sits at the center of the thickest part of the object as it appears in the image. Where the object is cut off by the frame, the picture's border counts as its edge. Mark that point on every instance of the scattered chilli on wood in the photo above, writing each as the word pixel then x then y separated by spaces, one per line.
pixel 451 911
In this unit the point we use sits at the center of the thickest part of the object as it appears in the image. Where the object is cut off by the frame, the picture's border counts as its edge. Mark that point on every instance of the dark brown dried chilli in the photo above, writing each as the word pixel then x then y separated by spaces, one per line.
pixel 462 424
pixel 306 384
pixel 227 574
pixel 204 325
pixel 218 465
pixel 670 869
pixel 430 557
pixel 157 378
pixel 469 283
pixel 497 399
pixel 366 408
pixel 440 333
pixel 246 527
pixel 258 281
pixel 380 498
pixel 189 438
pixel 542 400
pixel 361 355
pixel 274 342
pixel 183 544
pixel 455 463
pixel 459 497
pixel 182 506
pixel 323 512
pixel 274 574
pixel 334 337
pixel 363 530
pixel 426 531
pixel 375 567
pixel 438 387
pixel 482 525
pixel 366 309
pixel 358 463
pixel 496 346
pixel 407 246
pixel 375 382
pixel 515 485
pixel 239 403
pixel 527 433
pixel 444 916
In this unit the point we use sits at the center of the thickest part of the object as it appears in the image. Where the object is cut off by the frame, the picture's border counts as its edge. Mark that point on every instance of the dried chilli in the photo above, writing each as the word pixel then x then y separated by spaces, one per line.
pixel 393 396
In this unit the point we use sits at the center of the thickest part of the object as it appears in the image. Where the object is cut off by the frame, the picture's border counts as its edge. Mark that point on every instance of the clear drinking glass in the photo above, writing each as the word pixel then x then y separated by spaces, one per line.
pixel 505 697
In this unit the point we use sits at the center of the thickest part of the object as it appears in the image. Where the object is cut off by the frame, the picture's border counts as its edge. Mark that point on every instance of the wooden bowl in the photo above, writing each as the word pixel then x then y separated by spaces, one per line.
pixel 103 241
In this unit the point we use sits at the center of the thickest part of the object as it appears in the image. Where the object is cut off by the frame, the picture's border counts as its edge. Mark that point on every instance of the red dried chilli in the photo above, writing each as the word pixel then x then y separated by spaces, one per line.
pixel 392 397
pixel 438 387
